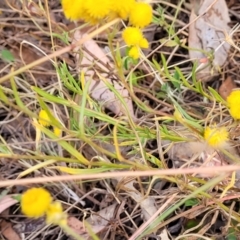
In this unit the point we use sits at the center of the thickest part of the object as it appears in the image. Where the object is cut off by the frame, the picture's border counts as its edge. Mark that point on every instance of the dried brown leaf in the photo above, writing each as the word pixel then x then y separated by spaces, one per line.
pixel 226 87
pixel 207 33
pixel 7 231
pixel 95 64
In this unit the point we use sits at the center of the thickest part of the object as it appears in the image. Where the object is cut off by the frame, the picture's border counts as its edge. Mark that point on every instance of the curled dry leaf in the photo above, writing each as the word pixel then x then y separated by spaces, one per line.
pixel 226 87
pixel 96 66
pixel 207 35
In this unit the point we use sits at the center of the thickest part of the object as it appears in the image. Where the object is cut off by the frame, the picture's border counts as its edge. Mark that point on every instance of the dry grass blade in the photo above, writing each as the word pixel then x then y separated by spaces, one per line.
pixel 119 132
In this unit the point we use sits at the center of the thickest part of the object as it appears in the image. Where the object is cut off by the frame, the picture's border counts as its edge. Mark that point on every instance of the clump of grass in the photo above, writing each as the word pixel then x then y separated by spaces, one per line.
pixel 72 133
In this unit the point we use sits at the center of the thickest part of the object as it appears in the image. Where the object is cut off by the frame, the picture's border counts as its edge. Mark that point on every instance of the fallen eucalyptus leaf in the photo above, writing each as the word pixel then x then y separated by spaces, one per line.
pixel 207 34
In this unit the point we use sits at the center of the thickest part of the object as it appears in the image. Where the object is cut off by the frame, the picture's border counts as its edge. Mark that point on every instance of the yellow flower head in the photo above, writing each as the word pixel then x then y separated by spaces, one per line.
pixel 134 52
pixel 98 9
pixel 88 18
pixel 233 101
pixel 35 202
pixel 132 36
pixel 44 119
pixel 57 131
pixel 143 43
pixel 55 214
pixel 216 137
pixel 73 9
pixel 140 15
pixel 123 7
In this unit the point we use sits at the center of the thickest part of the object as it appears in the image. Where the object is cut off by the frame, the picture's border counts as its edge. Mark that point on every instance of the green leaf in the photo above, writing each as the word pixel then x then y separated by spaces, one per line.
pixel 134 79
pixel 3 194
pixel 216 95
pixel 191 223
pixel 231 234
pixel 191 202
pixel 6 55
pixel 164 87
pixel 169 43
pixel 17 197
pixel 176 83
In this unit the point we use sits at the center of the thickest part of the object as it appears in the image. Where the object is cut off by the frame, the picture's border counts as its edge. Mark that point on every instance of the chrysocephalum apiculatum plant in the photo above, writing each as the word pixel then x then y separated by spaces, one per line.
pixel 216 137
pixel 38 202
pixel 138 14
pixel 233 101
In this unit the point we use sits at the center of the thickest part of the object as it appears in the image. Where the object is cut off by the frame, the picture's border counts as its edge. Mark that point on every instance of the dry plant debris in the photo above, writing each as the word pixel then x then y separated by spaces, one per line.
pixel 207 36
pixel 93 55
pixel 119 89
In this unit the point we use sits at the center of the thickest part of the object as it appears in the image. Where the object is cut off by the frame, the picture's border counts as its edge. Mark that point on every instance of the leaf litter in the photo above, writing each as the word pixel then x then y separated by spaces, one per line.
pixel 207 32
pixel 139 204
pixel 93 61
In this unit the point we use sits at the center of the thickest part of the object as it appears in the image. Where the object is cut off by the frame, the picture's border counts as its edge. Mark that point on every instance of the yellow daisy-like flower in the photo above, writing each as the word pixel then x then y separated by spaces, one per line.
pixel 35 202
pixel 123 7
pixel 143 43
pixel 89 19
pixel 57 131
pixel 98 9
pixel 140 15
pixel 44 119
pixel 73 9
pixel 132 36
pixel 216 137
pixel 55 214
pixel 233 101
pixel 134 52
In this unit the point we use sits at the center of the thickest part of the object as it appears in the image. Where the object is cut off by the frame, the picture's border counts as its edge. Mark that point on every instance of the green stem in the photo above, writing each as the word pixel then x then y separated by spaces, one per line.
pixel 234 159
